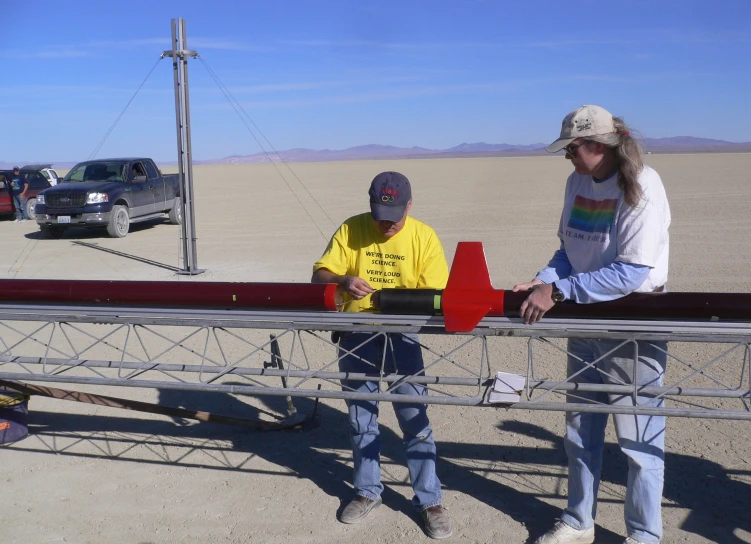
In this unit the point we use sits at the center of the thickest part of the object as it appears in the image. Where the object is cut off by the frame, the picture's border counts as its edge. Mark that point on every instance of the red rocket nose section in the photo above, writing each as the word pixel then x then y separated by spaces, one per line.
pixel 469 295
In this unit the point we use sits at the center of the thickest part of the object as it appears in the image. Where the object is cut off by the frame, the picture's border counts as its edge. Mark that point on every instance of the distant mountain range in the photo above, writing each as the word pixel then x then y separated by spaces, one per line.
pixel 372 152
pixel 675 144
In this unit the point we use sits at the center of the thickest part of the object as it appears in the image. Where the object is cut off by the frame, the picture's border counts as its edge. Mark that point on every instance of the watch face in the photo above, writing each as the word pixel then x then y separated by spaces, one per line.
pixel 557 295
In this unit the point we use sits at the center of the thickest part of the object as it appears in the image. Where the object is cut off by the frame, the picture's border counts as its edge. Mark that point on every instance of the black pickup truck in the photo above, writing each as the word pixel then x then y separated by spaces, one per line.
pixel 111 193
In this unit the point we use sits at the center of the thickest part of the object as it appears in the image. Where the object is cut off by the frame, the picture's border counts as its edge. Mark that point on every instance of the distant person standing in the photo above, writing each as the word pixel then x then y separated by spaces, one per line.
pixel 613 241
pixel 386 248
pixel 18 188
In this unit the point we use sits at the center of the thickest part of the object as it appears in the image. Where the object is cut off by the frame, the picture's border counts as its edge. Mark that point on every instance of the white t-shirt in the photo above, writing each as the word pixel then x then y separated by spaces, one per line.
pixel 598 228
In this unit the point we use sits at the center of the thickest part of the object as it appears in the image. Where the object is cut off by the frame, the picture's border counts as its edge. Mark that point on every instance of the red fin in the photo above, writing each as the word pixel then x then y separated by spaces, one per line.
pixel 467 297
pixel 469 268
pixel 460 317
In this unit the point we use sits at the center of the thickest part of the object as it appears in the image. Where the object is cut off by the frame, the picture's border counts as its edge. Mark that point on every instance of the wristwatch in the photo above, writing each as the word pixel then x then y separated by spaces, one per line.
pixel 557 294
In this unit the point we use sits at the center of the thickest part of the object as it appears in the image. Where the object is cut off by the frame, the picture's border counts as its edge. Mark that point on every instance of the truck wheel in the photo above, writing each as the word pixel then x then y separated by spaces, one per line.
pixel 30 213
pixel 51 232
pixel 176 213
pixel 119 222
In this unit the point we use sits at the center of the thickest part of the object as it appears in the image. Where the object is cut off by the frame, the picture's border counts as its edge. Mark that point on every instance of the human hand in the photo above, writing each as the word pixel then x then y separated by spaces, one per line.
pixel 526 286
pixel 537 303
pixel 356 287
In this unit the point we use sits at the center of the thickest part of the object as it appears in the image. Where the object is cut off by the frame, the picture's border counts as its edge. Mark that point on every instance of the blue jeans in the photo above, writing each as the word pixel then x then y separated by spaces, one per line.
pixel 419 446
pixel 641 438
pixel 20 203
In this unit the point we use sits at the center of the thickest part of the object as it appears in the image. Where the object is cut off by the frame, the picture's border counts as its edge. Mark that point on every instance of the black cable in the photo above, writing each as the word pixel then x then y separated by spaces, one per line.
pixel 237 106
pixel 104 139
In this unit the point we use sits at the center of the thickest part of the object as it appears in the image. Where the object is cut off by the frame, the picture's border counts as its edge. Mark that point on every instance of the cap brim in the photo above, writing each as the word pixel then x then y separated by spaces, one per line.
pixel 383 212
pixel 559 144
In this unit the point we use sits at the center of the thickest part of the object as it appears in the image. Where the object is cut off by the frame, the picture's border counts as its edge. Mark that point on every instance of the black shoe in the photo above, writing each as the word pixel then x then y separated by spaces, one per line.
pixel 437 522
pixel 358 509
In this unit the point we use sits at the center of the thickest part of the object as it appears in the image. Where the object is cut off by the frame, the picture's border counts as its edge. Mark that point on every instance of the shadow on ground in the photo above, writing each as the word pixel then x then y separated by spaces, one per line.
pixel 82 233
pixel 701 486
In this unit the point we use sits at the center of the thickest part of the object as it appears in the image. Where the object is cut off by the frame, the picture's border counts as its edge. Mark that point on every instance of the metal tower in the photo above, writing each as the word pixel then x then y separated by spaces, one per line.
pixel 180 54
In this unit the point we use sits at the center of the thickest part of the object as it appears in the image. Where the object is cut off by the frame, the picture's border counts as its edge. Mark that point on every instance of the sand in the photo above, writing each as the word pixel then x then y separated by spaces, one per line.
pixel 95 475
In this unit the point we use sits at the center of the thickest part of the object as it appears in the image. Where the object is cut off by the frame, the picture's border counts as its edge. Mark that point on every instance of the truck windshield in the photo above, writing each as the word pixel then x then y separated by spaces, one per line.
pixel 96 171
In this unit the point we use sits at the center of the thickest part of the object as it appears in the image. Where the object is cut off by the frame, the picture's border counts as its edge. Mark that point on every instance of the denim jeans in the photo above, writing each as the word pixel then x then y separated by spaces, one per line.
pixel 419 446
pixel 641 438
pixel 20 204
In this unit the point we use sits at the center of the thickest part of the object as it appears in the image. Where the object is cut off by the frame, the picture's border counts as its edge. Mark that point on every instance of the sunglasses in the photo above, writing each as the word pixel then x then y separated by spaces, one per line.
pixel 570 149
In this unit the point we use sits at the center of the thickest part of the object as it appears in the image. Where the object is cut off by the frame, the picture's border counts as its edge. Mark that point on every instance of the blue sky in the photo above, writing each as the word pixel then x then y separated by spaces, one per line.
pixel 335 74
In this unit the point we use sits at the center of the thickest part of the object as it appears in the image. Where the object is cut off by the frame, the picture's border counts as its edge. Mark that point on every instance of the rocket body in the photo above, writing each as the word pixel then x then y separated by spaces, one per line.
pixel 469 297
pixel 279 296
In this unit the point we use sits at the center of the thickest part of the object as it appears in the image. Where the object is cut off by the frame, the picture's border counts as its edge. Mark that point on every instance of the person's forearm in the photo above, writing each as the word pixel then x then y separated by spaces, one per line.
pixel 356 287
pixel 324 275
pixel 608 283
pixel 558 267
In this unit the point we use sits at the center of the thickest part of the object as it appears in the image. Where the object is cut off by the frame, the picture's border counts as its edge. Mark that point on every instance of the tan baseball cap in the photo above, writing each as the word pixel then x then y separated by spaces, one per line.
pixel 581 123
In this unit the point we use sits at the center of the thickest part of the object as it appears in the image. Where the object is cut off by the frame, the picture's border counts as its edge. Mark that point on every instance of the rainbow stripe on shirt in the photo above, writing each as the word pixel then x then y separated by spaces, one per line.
pixel 592 215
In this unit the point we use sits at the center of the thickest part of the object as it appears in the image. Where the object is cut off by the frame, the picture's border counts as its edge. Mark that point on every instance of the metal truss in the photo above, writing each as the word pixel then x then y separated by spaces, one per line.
pixel 292 354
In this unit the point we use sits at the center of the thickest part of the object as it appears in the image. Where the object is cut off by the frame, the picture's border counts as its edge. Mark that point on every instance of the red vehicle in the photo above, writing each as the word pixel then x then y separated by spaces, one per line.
pixel 6 202
pixel 37 181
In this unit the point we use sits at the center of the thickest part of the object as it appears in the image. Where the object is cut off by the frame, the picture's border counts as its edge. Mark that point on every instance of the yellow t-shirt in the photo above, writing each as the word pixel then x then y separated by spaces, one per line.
pixel 412 258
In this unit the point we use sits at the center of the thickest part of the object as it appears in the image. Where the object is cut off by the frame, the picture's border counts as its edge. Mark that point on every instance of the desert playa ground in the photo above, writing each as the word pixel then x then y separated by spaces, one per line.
pixel 94 475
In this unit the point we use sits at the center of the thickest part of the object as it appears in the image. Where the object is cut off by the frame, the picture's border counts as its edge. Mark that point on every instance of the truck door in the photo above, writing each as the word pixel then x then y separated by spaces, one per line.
pixel 142 190
pixel 157 182
pixel 6 204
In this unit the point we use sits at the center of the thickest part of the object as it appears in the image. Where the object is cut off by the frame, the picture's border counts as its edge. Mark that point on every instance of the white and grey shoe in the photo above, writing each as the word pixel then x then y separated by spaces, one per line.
pixel 563 533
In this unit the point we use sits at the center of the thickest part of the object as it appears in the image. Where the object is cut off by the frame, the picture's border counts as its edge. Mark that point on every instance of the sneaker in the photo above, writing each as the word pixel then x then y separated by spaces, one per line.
pixel 358 509
pixel 437 522
pixel 15 220
pixel 563 533
pixel 630 540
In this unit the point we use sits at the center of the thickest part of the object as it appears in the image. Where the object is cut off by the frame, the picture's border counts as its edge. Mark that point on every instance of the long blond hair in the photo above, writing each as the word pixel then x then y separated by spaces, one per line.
pixel 629 158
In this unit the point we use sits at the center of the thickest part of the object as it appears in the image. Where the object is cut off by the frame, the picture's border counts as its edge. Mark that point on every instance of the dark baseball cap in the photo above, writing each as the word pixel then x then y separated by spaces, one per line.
pixel 16 168
pixel 390 193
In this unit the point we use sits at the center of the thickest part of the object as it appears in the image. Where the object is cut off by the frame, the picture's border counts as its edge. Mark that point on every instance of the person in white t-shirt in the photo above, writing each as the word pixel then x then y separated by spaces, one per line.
pixel 614 241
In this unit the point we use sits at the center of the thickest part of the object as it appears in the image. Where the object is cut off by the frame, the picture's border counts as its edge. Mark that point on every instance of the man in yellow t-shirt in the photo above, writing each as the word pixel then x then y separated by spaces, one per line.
pixel 370 251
